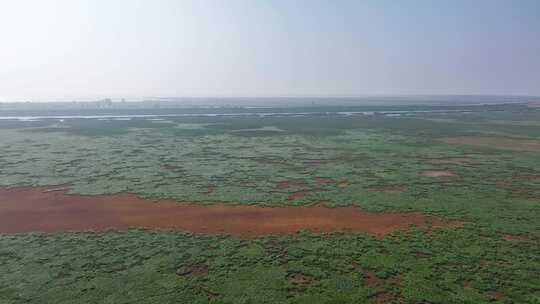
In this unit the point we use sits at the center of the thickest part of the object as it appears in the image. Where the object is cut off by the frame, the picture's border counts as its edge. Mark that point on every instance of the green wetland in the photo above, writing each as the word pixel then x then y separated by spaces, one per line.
pixel 476 165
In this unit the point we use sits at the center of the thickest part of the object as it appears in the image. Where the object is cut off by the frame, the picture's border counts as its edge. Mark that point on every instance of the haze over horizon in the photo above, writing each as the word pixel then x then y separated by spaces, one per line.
pixel 91 49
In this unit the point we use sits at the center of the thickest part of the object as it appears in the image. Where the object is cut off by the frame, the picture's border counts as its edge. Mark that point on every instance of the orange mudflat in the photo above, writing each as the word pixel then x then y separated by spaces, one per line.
pixel 27 209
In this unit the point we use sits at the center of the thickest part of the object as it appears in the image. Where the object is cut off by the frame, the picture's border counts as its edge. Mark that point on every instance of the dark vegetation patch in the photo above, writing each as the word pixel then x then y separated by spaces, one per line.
pixel 94 127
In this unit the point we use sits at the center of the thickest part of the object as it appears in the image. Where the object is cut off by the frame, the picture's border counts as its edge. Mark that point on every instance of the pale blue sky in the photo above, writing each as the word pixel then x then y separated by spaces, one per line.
pixel 96 48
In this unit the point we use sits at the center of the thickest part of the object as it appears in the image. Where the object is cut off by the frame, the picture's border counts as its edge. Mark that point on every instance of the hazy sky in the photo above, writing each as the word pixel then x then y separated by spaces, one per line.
pixel 96 48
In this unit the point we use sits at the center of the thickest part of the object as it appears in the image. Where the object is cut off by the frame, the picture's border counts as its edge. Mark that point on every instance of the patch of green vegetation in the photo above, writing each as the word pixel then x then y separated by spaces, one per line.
pixel 335 159
pixel 439 265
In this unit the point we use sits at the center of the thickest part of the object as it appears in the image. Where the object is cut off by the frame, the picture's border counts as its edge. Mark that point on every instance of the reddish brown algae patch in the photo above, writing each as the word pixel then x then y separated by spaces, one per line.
pixel 512 237
pixel 299 278
pixel 513 144
pixel 291 182
pixel 324 180
pixel 438 173
pixel 297 195
pixel 27 209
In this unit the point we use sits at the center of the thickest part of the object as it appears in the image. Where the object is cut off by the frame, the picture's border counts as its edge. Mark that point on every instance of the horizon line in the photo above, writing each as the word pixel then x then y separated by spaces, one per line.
pixel 170 98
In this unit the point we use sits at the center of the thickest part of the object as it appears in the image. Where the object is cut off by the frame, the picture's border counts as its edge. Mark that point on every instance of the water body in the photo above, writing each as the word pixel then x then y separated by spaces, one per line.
pixel 261 114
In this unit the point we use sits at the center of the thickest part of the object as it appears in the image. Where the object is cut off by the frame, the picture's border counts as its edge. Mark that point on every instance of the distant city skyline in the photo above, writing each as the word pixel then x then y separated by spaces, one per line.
pixel 84 50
